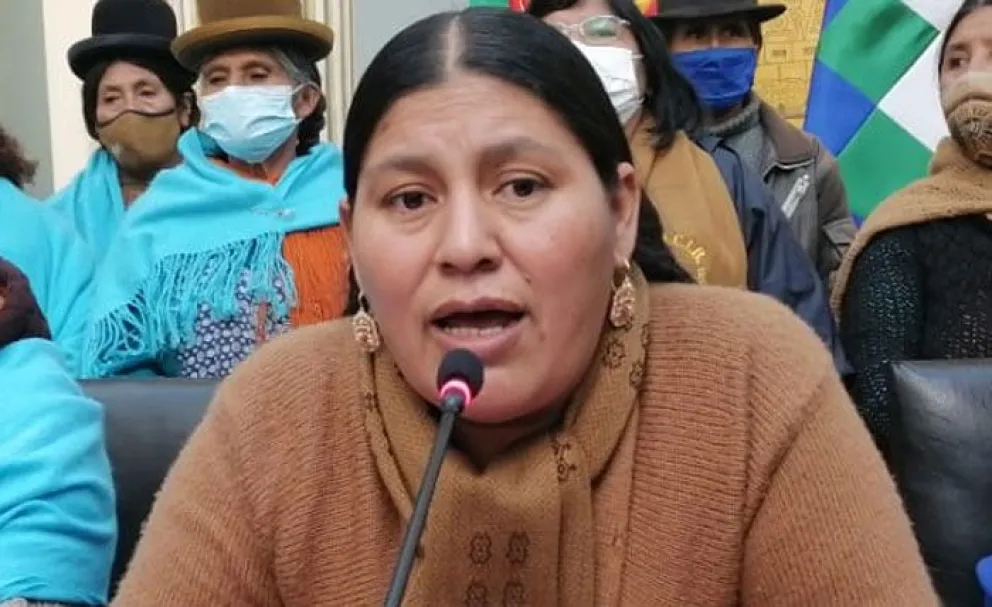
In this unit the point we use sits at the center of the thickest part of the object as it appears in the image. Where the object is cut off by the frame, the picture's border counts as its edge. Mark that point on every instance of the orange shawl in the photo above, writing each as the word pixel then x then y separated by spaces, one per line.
pixel 319 258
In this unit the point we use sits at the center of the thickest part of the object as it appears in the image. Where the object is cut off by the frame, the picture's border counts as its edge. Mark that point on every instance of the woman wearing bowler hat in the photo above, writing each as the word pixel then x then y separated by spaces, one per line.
pixel 241 241
pixel 715 43
pixel 137 100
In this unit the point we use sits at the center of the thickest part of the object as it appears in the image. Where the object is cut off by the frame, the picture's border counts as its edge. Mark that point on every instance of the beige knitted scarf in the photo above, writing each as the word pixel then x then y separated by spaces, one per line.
pixel 956 186
pixel 521 531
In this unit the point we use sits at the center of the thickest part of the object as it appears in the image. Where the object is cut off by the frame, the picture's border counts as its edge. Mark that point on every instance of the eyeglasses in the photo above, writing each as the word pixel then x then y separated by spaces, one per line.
pixel 600 29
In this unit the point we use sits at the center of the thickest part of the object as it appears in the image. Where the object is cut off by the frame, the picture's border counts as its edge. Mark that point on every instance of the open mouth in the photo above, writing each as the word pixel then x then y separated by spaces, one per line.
pixel 478 323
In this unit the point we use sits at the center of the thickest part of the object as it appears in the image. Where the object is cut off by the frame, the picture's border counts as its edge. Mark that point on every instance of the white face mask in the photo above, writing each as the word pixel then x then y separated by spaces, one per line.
pixel 615 67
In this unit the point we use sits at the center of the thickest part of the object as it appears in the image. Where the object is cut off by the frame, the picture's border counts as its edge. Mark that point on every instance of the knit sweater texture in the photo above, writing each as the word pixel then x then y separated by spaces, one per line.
pixel 747 479
pixel 744 133
pixel 916 282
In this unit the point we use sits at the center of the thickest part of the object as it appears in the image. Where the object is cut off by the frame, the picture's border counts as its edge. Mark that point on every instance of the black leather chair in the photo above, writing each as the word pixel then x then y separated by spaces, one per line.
pixel 147 422
pixel 942 461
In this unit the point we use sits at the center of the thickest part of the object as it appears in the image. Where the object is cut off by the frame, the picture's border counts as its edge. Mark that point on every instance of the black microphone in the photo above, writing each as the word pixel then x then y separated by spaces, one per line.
pixel 459 380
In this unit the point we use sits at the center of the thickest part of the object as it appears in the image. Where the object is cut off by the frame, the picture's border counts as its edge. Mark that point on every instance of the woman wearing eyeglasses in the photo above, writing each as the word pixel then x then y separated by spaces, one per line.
pixel 720 221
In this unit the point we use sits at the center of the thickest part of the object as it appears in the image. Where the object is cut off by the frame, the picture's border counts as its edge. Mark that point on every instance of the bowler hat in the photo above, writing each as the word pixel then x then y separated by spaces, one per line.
pixel 123 29
pixel 671 10
pixel 227 24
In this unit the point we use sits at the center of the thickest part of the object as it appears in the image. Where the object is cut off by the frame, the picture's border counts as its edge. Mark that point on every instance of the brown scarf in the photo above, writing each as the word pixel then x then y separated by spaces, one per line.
pixel 700 221
pixel 520 532
pixel 956 187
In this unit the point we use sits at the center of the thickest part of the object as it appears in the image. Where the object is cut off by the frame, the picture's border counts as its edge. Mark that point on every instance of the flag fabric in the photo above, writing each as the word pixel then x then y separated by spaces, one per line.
pixel 648 7
pixel 874 98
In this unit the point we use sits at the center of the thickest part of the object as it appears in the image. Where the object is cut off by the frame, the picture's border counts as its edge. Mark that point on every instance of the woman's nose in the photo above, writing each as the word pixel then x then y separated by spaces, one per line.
pixel 468 241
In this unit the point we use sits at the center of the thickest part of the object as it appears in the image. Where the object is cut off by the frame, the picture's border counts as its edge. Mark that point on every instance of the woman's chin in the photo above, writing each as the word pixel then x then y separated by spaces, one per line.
pixel 481 412
pixel 494 411
pixel 506 408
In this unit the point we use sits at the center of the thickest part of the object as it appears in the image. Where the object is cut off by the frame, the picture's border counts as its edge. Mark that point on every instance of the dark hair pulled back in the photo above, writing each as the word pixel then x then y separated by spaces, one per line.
pixel 519 50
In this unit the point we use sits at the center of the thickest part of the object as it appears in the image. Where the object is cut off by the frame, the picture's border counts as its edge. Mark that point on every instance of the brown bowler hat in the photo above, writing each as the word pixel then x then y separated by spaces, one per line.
pixel 226 24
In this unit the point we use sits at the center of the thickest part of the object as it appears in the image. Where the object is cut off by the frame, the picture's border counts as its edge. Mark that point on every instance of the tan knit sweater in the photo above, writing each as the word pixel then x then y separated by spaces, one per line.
pixel 748 480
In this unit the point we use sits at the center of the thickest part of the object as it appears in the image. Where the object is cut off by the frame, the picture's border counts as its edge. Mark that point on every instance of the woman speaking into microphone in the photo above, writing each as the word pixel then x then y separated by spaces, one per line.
pixel 638 440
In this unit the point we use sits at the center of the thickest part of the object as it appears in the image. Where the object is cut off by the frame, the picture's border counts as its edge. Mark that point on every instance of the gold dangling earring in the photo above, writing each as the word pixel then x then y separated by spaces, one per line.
pixel 624 298
pixel 364 327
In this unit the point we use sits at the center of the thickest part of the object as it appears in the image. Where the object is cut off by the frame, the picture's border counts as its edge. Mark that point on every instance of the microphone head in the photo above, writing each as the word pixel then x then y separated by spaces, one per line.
pixel 461 365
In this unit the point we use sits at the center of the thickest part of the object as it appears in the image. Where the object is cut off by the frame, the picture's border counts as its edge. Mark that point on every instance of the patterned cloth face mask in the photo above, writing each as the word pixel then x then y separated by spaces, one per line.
pixel 967 104
pixel 141 143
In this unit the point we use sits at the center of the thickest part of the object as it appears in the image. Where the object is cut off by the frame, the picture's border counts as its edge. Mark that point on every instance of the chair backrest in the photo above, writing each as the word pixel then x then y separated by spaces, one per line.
pixel 147 423
pixel 942 461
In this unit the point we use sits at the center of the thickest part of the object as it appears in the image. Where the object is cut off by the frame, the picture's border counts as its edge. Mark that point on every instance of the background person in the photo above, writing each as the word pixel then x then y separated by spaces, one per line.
pixel 57 517
pixel 241 241
pixel 37 241
pixel 715 43
pixel 137 100
pixel 734 239
pixel 918 279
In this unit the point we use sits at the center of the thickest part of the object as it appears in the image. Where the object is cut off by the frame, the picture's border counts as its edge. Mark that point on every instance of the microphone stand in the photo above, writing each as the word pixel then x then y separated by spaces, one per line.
pixel 451 407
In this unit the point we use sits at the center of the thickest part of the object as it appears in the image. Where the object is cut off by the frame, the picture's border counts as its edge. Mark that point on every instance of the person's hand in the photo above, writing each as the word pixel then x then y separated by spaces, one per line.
pixel 20 316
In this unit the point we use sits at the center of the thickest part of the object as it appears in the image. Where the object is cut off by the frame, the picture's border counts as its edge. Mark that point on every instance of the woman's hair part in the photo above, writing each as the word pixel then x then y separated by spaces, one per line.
pixel 518 50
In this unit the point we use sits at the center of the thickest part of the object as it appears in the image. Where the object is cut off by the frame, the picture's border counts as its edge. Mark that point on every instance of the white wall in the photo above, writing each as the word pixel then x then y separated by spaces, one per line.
pixel 65 24
pixel 25 88
pixel 40 99
pixel 376 21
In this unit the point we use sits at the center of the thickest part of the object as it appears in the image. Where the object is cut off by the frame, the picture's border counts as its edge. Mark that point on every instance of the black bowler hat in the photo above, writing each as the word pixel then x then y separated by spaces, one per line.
pixel 678 10
pixel 124 29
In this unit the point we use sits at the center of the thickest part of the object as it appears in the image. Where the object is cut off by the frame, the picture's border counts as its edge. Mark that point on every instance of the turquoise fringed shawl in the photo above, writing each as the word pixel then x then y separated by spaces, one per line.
pixel 93 203
pixel 57 262
pixel 57 519
pixel 198 231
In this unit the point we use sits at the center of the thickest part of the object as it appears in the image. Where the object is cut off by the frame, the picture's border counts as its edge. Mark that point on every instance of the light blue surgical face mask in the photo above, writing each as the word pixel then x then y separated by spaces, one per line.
pixel 250 122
